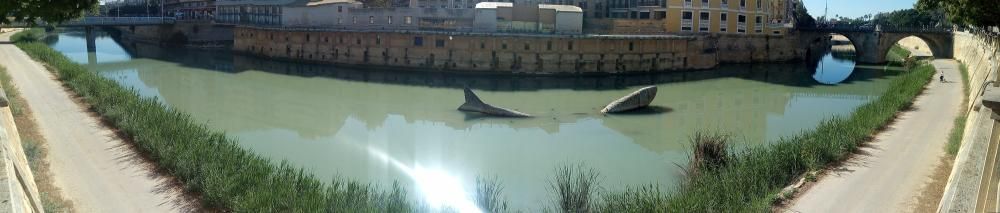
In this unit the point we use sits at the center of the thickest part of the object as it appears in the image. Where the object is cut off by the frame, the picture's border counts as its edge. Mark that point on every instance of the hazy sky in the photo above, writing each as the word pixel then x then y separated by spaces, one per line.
pixel 855 8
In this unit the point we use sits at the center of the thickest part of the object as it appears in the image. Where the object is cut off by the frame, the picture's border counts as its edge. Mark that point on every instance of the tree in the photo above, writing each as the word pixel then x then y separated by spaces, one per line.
pixel 802 17
pixel 52 11
pixel 967 12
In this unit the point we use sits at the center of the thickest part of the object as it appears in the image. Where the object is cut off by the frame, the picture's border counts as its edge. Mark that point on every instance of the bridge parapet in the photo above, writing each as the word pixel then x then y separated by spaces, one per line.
pixel 877 28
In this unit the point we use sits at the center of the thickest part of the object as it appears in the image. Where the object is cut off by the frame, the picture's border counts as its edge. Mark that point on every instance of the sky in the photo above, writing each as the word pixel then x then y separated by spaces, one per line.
pixel 856 8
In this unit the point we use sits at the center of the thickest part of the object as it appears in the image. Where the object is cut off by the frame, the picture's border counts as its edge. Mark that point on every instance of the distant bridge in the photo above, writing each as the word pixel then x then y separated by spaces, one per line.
pixel 100 21
pixel 871 44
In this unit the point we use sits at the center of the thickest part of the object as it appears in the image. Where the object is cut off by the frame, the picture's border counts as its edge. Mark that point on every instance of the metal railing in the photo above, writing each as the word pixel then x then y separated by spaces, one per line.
pixel 101 21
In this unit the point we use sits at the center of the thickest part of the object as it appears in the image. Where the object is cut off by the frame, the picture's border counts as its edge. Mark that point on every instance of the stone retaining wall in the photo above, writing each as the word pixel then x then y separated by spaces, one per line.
pixel 979 54
pixel 515 54
pixel 18 192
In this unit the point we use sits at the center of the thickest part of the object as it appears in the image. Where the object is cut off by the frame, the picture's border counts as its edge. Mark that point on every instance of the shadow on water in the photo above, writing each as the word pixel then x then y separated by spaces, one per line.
pixel 796 74
pixel 650 110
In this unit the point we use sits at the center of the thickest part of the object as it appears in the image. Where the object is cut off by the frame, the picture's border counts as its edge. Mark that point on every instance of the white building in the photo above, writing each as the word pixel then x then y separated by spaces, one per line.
pixel 527 17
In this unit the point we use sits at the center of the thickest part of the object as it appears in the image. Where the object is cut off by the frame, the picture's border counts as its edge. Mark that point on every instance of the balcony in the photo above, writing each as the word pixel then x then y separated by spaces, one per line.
pixel 648 3
pixel 687 24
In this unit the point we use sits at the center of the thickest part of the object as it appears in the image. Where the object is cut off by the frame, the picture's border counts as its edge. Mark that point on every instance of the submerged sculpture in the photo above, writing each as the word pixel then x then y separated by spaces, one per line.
pixel 473 104
pixel 638 99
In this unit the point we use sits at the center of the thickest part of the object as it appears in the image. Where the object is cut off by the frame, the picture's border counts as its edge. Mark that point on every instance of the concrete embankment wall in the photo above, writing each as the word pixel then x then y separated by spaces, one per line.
pixel 979 54
pixel 18 192
pixel 515 54
pixel 191 33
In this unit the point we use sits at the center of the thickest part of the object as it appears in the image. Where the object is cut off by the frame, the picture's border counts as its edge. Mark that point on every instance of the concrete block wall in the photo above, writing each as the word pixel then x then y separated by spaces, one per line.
pixel 513 54
pixel 979 54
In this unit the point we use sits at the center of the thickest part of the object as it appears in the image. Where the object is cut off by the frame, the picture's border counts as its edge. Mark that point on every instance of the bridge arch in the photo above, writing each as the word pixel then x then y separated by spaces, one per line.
pixel 871 45
pixel 941 46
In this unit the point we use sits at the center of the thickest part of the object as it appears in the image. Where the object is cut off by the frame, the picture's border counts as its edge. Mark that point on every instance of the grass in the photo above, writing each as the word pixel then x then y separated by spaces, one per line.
pixel 207 162
pixel 489 195
pixel 957 131
pixel 34 147
pixel 576 187
pixel 753 177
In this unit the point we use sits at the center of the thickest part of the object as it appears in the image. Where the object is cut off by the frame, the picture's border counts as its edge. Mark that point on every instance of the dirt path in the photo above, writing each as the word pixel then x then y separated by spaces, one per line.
pixel 96 170
pixel 889 175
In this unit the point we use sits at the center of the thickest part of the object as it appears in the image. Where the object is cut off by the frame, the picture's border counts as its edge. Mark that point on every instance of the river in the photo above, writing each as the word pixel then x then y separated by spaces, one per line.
pixel 382 126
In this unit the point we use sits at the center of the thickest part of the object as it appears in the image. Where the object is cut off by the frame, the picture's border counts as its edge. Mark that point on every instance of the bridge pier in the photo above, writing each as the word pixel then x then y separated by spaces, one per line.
pixel 91 45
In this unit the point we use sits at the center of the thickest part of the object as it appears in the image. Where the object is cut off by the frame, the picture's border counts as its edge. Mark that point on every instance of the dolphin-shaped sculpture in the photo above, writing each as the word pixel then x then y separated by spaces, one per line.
pixel 473 104
pixel 638 99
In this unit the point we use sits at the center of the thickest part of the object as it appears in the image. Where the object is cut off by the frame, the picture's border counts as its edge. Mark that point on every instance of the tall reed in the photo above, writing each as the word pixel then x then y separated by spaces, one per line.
pixel 576 186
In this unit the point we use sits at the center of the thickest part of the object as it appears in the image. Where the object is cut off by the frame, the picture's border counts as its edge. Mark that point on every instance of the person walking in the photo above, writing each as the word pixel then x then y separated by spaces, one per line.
pixel 942 78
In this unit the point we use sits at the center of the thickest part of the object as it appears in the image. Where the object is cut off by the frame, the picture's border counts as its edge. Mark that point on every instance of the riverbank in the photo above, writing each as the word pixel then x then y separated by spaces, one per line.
pixel 35 147
pixel 754 178
pixel 94 168
pixel 892 169
pixel 207 162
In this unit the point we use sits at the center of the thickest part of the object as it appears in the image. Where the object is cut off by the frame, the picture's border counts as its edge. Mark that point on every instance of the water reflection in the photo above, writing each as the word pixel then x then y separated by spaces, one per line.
pixel 384 126
pixel 836 65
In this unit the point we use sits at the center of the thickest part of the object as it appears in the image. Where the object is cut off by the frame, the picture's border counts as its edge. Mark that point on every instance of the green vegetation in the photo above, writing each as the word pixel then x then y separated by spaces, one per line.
pixel 802 17
pixel 899 56
pixel 968 12
pixel 902 18
pixel 206 161
pixel 753 177
pixel 45 10
pixel 957 131
pixel 32 143
pixel 576 187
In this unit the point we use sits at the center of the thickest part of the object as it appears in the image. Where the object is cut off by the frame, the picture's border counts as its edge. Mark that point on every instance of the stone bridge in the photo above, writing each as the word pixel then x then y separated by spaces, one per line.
pixel 871 44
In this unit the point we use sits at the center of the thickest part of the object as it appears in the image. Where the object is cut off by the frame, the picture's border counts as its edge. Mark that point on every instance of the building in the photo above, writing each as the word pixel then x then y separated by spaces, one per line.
pixel 528 17
pixel 190 9
pixel 698 16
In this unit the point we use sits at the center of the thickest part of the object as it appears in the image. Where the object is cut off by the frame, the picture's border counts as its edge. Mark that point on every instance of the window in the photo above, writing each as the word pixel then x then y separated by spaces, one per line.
pixel 339 20
pixel 687 3
pixel 482 45
pixel 570 46
pixel 758 24
pixel 704 21
pixel 439 43
pixel 407 20
pixel 631 46
pixel 340 9
pixel 355 19
pixel 418 41
pixel 686 21
pixel 741 25
pixel 389 20
pixel 378 40
pixel 723 22
pixel 548 45
pixel 704 3
pixel 758 4
pixel 526 46
pixel 743 4
pixel 371 19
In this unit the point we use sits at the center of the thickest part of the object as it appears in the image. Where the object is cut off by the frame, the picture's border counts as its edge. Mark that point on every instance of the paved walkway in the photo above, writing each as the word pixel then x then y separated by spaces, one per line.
pixel 92 166
pixel 889 176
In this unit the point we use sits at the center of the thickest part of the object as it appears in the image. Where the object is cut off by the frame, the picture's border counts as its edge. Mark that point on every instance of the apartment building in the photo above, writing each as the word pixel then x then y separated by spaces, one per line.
pixel 704 16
